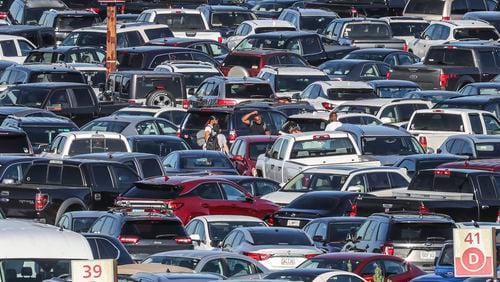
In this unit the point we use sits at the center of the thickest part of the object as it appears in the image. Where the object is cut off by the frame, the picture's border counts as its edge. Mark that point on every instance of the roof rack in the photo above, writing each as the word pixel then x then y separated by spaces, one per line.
pixel 142 207
pixel 406 212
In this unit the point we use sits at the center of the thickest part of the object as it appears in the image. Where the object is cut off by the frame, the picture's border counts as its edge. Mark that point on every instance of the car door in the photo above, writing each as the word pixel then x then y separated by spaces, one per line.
pixel 236 201
pixel 103 190
pixel 379 184
pixel 280 173
pixel 419 45
pixel 272 160
pixel 209 200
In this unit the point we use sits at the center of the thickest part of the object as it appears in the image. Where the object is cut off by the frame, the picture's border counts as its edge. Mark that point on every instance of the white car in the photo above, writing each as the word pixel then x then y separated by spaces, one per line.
pixel 433 10
pixel 440 32
pixel 184 23
pixel 247 28
pixel 274 247
pixel 14 48
pixel 317 121
pixel 406 27
pixel 208 231
pixel 173 114
pixel 378 181
pixel 326 95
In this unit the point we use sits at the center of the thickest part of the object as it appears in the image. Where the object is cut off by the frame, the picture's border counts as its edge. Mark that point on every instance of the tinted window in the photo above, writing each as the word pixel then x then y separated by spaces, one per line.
pixel 143 191
pixel 338 231
pixel 454 183
pixel 391 145
pixel 72 176
pixel 325 147
pixel 102 177
pixel 397 181
pixel 150 167
pixel 420 232
pixel 10 144
pixel 205 162
pixel 83 97
pixel 8 48
pixel 248 90
pixel 314 202
pixel 449 57
pixel 96 145
pixel 106 250
pixel 209 191
pixel 378 181
pixel 425 7
pixel 219 230
pixel 279 238
pixel 153 229
pixel 437 122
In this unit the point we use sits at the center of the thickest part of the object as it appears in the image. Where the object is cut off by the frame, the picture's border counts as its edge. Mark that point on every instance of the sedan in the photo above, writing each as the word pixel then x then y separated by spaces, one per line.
pixel 367 265
pixel 481 88
pixel 355 70
pixel 230 265
pixel 198 161
pixel 275 247
pixel 131 125
pixel 393 57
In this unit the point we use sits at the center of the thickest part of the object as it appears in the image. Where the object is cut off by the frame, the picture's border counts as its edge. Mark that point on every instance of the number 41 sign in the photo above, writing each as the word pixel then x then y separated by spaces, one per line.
pixel 474 252
pixel 103 270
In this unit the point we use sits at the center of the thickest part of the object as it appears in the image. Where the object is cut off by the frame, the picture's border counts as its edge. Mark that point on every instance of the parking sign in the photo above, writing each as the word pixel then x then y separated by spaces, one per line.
pixel 474 252
pixel 103 270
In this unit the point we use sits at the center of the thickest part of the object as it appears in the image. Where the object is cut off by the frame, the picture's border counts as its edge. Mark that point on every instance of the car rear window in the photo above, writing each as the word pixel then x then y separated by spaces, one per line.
pixel 198 120
pixel 96 145
pixel 57 77
pixel 130 60
pixel 479 33
pixel 187 262
pixel 420 232
pixel 205 162
pixel 449 57
pixel 322 148
pixel 219 229
pixel 305 182
pixel 153 229
pixel 150 191
pixel 366 30
pixel 408 28
pixel 340 230
pixel 448 183
pixel 258 148
pixel 230 18
pixel 315 22
pixel 433 7
pixel 488 150
pixel 350 94
pixel 279 238
pixel 390 145
pixel 83 224
pixel 14 143
pixel 248 62
pixel 106 126
pixel 437 122
pixel 45 134
pixel 85 39
pixel 271 29
pixel 75 22
pixel 308 202
pixel 150 168
pixel 181 21
pixel 344 264
pixel 248 90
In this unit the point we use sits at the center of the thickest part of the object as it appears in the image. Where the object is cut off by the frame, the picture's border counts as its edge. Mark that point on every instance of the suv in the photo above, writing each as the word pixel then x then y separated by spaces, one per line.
pixel 230 91
pixel 406 27
pixel 289 80
pixel 229 121
pixel 144 233
pixel 247 28
pixel 30 11
pixel 416 237
pixel 14 48
pixel 432 10
pixel 21 74
pixel 147 87
pixel 66 21
pixel 308 19
pixel 40 36
pixel 65 54
pixel 225 19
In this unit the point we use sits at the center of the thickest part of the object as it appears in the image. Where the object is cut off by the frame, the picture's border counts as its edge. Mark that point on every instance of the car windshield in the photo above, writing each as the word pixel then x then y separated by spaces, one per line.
pixel 96 145
pixel 258 148
pixel 432 7
pixel 29 97
pixel 57 77
pixel 344 264
pixel 205 162
pixel 477 33
pixel 337 68
pixel 70 23
pixel 187 262
pixel 408 28
pixel 219 229
pixel 449 57
pixel 134 113
pixel 437 122
pixel 350 94
pixel 82 224
pixel 83 38
pixel 34 270
pixel 249 90
pixel 410 232
pixel 315 22
pixel 322 146
pixel 181 21
pixel 340 230
pixel 153 229
pixel 105 126
pixel 371 110
pixel 230 19
pixel 305 182
pixel 366 30
pixel 283 237
pixel 394 91
pixel 390 145
pixel 44 135
pixel 287 83
pixel 194 79
pixel 488 150
pixel 159 147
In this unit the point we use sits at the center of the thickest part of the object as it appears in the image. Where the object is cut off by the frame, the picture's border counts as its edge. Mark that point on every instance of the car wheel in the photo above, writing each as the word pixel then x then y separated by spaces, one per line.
pixel 160 98
pixel 238 71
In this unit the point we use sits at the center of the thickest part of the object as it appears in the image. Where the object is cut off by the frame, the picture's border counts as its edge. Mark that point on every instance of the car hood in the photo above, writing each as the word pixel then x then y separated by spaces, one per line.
pixel 282 198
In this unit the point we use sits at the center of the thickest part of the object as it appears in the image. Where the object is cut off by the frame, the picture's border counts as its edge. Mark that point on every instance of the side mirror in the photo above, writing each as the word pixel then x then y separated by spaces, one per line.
pixel 355 189
pixel 386 120
pixel 249 198
pixel 237 158
pixel 438 151
pixel 195 237
pixel 318 238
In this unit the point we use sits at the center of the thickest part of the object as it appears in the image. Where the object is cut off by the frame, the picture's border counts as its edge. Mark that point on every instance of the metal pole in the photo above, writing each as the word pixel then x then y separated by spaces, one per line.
pixel 111 39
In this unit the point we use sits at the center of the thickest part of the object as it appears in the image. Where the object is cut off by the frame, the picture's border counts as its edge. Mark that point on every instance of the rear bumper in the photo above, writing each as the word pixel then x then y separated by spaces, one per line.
pixel 140 252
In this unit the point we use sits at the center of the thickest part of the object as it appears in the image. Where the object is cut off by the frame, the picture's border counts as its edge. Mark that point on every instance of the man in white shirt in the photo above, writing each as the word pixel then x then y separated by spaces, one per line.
pixel 334 122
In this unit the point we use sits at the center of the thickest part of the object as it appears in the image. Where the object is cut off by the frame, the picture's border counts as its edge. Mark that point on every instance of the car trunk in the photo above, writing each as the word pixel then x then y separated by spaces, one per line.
pixel 285 257
pixel 427 77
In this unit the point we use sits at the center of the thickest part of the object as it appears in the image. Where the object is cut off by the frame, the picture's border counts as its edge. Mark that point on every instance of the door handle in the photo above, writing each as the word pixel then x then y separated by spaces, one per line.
pixel 272 166
pixel 485 207
pixel 279 167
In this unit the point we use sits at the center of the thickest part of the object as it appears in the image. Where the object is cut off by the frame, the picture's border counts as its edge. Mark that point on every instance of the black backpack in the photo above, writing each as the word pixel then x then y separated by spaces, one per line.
pixel 213 143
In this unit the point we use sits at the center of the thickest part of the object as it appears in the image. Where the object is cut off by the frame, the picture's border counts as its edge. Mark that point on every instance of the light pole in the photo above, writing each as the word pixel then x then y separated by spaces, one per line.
pixel 111 34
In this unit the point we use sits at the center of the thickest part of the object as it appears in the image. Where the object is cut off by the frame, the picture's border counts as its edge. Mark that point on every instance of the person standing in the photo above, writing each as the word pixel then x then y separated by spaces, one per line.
pixel 257 126
pixel 214 140
pixel 334 122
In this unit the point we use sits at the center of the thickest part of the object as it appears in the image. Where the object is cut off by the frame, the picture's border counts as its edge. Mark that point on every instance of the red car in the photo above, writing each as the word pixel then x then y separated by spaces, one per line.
pixel 365 265
pixel 246 149
pixel 191 196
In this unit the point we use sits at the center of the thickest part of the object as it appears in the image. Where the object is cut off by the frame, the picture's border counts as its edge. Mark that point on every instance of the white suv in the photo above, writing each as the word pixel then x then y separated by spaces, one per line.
pixel 433 10
pixel 439 32
pixel 406 28
pixel 326 95
pixel 247 28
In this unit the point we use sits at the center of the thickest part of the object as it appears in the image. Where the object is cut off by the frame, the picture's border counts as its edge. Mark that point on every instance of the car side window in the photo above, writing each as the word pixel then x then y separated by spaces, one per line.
pixel 369 70
pixel 209 191
pixel 344 278
pixel 337 30
pixel 370 231
pixel 58 100
pixel 238 239
pixel 456 148
pixel 231 193
pixel 294 46
pixel 278 119
pixel 311 229
pixel 383 70
pixel 476 125
pixel 106 249
pixel 371 268
pixel 64 222
pixel 264 187
pixel 393 267
pixel 382 231
pixel 234 148
pixel 397 181
pixel 242 149
pixel 321 231
pixel 275 149
pixel 124 178
pixel 228 241
pixel 9 48
pixel 238 267
pixel 491 123
pixel 378 181
pixel 102 178
pixel 134 39
pixel 147 128
pixel 428 32
pixel 214 266
pixel 96 228
pixel 362 229
pixel 191 227
pixel 83 97
pixel 405 59
pixel 391 60
pixel 458 7
pixel 311 45
pixel 200 230
pixel 358 181
pixel 283 150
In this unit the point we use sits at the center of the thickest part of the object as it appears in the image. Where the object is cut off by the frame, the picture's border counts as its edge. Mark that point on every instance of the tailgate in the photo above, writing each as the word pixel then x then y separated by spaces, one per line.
pixel 18 201
pixel 389 43
pixel 426 78
pixel 145 248
pixel 212 35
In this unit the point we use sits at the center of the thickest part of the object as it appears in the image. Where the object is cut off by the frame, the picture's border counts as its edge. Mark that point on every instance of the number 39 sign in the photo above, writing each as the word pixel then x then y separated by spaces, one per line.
pixel 103 270
pixel 474 252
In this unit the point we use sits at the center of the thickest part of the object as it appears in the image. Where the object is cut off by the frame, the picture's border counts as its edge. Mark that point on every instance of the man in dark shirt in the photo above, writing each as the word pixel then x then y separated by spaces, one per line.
pixel 255 123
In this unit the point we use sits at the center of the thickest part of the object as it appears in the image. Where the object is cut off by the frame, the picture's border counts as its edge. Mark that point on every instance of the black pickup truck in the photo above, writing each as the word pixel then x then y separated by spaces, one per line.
pixel 76 101
pixel 463 194
pixel 45 195
pixel 452 66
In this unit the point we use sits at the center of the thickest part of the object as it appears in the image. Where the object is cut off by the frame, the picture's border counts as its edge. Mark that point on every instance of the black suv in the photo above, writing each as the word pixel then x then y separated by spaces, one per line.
pixel 30 11
pixel 416 237
pixel 229 121
pixel 21 74
pixel 66 21
pixel 40 36
pixel 144 233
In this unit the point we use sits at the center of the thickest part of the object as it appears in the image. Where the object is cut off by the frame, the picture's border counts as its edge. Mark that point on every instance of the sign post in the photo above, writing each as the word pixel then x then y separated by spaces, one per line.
pixel 103 270
pixel 474 252
pixel 111 34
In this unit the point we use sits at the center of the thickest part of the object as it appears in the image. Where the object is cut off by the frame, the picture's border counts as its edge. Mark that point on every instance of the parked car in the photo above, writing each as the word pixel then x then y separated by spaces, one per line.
pixel 326 95
pixel 156 144
pixel 29 11
pixel 65 21
pixel 316 275
pixel 491 17
pixel 317 121
pixel 225 18
pixel 248 28
pixel 14 48
pixel 79 221
pixel 208 231
pixel 392 57
pixel 40 36
pixel 107 247
pixel 443 10
pixel 415 163
pixel 487 103
pixel 256 186
pixel 393 88
pixel 196 196
pixel 15 141
pixel 406 27
pixel 193 161
pixel 314 20
pixel 331 233
pixel 473 146
pixel 212 48
pixel 433 96
pixel 481 88
pixel 65 54
pixel 13 167
pixel 355 70
pixel 131 125
pixel 245 150
pixel 274 247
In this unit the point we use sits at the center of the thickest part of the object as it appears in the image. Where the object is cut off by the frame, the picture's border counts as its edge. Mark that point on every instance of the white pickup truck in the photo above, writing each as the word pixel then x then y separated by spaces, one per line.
pixel 184 23
pixel 432 127
pixel 291 154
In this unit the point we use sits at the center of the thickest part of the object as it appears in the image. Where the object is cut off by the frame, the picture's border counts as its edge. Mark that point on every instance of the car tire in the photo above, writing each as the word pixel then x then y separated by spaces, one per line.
pixel 238 71
pixel 160 98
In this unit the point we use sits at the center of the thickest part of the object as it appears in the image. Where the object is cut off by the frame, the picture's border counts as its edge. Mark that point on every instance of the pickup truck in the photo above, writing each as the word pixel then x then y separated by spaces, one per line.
pixel 432 127
pixel 76 101
pixel 45 195
pixel 291 154
pixel 463 194
pixel 363 33
pixel 452 66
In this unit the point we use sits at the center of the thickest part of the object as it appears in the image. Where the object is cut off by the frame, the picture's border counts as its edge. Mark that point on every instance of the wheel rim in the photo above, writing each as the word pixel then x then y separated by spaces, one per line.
pixel 161 100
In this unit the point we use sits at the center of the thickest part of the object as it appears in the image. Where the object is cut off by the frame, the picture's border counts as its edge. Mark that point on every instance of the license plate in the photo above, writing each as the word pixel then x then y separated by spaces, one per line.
pixel 287 261
pixel 427 255
pixel 295 223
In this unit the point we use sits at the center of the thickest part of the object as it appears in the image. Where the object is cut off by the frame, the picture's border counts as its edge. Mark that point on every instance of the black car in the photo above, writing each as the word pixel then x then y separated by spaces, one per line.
pixel 29 11
pixel 393 88
pixel 481 88
pixel 19 74
pixel 157 144
pixel 355 70
pixel 148 57
pixel 490 103
pixel 23 112
pixel 416 163
pixel 271 9
pixel 198 162
pixel 41 130
pixel 207 46
pixel 230 122
pixel 331 233
pixel 40 36
pixel 144 233
pixel 393 57
pixel 435 96
pixel 65 54
pixel 4 64
pixel 14 141
pixel 12 168
pixel 224 18
pixel 66 21
pixel 257 186
pixel 108 247
pixel 314 205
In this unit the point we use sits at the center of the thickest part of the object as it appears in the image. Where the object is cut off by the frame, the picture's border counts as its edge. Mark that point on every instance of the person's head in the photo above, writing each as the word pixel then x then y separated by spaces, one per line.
pixel 257 119
pixel 212 120
pixel 333 116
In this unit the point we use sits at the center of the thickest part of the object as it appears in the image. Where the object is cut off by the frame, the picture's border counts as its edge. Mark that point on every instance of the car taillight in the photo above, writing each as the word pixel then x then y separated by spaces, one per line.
pixel 423 141
pixel 328 106
pixel 95 10
pixel 442 172
pixel 498 216
pixel 128 239
pixel 175 205
pixel 183 240
pixel 3 15
pixel 310 256
pixel 185 104
pixel 257 256
pixel 232 136
pixel 387 249
pixel 225 102
pixel 41 200
pixel 178 133
pixel 388 75
pixel 422 209
pixel 219 39
pixel 446 18
pixel 270 221
pixel 405 47
pixel 443 80
pixel 354 209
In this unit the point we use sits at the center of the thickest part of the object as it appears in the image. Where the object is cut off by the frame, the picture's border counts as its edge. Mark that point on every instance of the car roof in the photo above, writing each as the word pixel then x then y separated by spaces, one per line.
pixel 155 48
pixel 340 219
pixel 352 255
pixel 294 70
pixel 11 130
pixel 73 12
pixel 347 169
pixel 314 12
pixel 6 159
pixel 377 51
pixel 484 15
pixel 154 138
pixel 125 118
pixel 482 164
pixel 465 23
pixel 360 19
pixel 485 84
pixel 12 110
pixel 257 138
pixel 236 79
pixel 114 156
pixel 44 67
pixel 310 135
pixel 216 8
pixel 374 102
pixel 199 254
pixel 431 157
pixel 181 40
pixel 388 83
pixel 316 271
pixel 56 121
pixel 120 27
pixel 62 49
pixel 282 34
pixel 79 214
pixel 49 85
pixel 453 110
pixel 344 84
pixel 259 52
pixel 268 23
pixel 374 130
pixel 479 138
